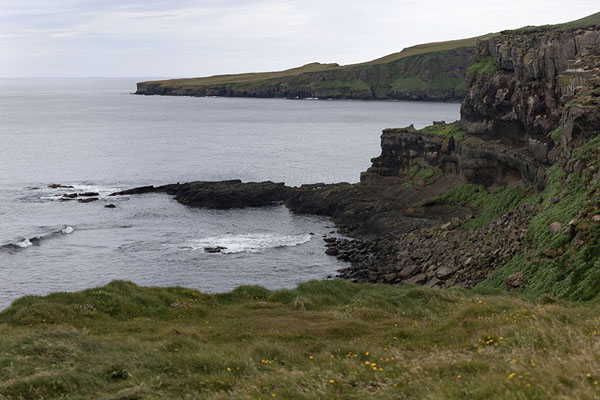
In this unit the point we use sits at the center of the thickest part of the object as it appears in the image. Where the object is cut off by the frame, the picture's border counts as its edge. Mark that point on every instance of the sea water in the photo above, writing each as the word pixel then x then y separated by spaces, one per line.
pixel 96 136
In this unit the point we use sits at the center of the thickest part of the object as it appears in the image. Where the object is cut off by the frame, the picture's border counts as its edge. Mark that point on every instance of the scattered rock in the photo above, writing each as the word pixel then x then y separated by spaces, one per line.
pixel 332 251
pixel 110 206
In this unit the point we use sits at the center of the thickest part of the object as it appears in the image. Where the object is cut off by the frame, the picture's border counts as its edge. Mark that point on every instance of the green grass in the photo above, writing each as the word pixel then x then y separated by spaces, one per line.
pixel 452 130
pixel 556 135
pixel 486 66
pixel 560 263
pixel 327 339
pixel 491 204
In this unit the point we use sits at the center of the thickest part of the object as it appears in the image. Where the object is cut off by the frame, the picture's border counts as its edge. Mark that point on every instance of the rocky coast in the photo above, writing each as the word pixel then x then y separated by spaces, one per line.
pixel 470 202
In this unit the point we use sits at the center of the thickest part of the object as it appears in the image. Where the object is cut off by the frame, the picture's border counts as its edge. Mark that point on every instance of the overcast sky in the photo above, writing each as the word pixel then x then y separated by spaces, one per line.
pixel 184 38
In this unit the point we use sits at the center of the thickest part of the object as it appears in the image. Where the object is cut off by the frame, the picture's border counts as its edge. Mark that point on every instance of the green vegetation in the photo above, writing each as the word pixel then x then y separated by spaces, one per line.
pixel 424 174
pixel 452 130
pixel 491 205
pixel 428 71
pixel 565 263
pixel 556 135
pixel 593 19
pixel 486 66
pixel 329 339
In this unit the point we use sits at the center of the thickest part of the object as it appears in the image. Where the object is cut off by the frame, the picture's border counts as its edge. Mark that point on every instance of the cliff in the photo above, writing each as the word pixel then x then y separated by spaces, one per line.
pixel 526 154
pixel 433 71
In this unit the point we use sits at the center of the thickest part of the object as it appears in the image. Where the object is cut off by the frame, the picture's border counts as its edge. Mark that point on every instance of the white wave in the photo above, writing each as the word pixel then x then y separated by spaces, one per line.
pixel 24 243
pixel 67 229
pixel 101 190
pixel 250 242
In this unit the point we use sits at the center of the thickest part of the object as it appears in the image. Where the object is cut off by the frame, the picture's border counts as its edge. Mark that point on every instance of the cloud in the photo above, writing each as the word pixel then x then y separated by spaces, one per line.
pixel 201 37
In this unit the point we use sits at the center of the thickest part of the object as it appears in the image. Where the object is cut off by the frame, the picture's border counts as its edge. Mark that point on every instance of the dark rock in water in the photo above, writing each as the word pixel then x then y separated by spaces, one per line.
pixel 221 194
pixel 70 195
pixel 88 194
pixel 110 206
pixel 138 190
pixel 332 251
pixel 88 200
pixel 217 249
pixel 57 185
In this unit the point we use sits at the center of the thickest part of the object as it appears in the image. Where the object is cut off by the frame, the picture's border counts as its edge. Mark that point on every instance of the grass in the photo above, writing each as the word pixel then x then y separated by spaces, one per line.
pixel 452 130
pixel 593 19
pixel 486 66
pixel 491 204
pixel 327 339
pixel 565 264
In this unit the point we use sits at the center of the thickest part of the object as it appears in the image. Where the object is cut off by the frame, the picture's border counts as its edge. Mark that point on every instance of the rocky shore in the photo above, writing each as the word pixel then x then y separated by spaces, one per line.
pixel 508 194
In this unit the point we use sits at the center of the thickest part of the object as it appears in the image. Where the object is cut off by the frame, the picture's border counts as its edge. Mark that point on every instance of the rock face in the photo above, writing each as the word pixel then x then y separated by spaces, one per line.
pixel 473 159
pixel 521 99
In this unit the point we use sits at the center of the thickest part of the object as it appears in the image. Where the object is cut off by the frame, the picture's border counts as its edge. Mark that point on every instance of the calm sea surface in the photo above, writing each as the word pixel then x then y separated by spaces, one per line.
pixel 95 135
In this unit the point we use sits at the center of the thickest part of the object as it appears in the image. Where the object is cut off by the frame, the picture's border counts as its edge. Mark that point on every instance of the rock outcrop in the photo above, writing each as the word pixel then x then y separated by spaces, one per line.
pixel 518 99
pixel 220 194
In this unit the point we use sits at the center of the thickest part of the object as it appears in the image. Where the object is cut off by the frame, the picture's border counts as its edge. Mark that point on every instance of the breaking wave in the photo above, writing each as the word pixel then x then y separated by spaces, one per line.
pixel 249 243
pixel 24 242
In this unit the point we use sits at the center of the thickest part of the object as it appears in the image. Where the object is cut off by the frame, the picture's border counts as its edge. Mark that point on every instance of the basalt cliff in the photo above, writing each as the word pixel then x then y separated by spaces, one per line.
pixel 508 197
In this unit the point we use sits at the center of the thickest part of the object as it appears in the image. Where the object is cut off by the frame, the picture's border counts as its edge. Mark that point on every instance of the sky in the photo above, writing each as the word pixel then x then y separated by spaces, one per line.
pixel 187 38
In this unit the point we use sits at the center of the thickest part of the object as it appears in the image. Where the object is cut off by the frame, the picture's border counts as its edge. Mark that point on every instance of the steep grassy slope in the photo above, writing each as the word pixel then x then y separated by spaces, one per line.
pixel 432 71
pixel 329 339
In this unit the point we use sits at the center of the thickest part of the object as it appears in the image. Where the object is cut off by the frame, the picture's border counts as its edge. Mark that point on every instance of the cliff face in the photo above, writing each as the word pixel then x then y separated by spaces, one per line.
pixel 437 75
pixel 527 154
pixel 520 99
pixel 525 87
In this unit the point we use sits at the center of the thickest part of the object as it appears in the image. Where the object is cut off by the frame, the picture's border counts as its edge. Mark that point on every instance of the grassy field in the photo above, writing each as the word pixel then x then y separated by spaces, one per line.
pixel 328 339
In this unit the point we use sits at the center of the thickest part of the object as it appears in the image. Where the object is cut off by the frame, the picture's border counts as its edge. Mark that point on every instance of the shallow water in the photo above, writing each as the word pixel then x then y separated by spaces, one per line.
pixel 96 136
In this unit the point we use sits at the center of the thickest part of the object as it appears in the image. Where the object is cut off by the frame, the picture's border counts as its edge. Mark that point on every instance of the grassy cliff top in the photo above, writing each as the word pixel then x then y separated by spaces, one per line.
pixel 328 339
pixel 318 67
pixel 590 20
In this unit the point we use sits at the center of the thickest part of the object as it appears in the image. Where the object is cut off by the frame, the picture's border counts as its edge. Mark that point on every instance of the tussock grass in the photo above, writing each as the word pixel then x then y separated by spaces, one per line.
pixel 324 339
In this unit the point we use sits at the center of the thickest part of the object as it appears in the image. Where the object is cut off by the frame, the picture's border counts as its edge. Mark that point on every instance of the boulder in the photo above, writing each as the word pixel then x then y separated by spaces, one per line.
pixel 515 281
pixel 554 227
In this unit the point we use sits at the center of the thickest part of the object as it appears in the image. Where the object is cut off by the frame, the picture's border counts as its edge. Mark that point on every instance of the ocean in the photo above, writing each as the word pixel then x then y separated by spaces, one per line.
pixel 96 136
